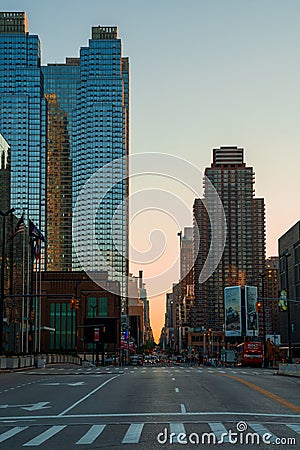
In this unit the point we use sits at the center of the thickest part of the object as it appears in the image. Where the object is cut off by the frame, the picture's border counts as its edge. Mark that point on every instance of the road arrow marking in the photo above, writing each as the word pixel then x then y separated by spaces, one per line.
pixel 28 407
pixel 78 383
pixel 36 406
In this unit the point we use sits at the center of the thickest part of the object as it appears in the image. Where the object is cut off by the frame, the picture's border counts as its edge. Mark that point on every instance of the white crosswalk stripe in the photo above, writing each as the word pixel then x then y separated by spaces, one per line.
pixel 262 430
pixel 10 433
pixel 133 433
pixel 294 427
pixel 177 429
pixel 43 437
pixel 219 431
pixel 91 435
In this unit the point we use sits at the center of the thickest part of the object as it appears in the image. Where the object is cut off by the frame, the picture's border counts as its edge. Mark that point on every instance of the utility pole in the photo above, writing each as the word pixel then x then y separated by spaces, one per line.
pixel 286 255
pixel 263 275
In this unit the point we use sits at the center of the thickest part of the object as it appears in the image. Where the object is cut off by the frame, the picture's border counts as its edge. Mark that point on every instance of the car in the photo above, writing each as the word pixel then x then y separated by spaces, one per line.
pixel 136 360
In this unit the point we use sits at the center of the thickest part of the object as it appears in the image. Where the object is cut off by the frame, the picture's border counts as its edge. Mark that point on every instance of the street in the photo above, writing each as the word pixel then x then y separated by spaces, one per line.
pixel 148 407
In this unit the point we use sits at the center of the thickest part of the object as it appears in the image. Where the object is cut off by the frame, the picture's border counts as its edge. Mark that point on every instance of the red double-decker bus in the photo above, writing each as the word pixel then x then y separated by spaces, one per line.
pixel 250 354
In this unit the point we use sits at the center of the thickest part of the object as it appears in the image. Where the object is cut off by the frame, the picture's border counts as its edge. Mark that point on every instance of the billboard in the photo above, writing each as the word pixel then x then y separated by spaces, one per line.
pixel 250 311
pixel 232 304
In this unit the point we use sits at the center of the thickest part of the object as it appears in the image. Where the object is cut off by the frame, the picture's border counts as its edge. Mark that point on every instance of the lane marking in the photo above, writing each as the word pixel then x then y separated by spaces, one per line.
pixel 133 433
pixel 87 396
pixel 91 435
pixel 176 390
pixel 183 408
pixel 43 437
pixel 272 396
pixel 10 433
pixel 262 430
pixel 219 431
pixel 239 414
pixel 176 429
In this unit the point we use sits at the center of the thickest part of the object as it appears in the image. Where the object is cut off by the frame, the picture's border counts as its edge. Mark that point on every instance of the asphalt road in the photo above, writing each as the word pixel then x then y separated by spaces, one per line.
pixel 148 408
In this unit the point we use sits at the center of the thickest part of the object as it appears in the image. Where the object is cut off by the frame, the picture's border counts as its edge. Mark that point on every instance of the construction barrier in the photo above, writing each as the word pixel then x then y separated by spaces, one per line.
pixel 292 370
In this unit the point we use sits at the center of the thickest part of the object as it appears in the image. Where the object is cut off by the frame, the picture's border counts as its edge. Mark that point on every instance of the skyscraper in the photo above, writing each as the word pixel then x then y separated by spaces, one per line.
pixel 93 91
pixel 61 81
pixel 23 115
pixel 59 189
pixel 101 137
pixel 243 260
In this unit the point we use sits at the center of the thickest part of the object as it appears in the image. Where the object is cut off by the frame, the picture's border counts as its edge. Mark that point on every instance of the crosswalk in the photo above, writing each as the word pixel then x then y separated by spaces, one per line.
pixel 162 369
pixel 136 433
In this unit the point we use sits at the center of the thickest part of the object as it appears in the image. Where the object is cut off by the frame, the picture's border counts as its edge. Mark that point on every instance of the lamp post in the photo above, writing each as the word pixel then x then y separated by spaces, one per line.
pixel 94 310
pixel 286 255
pixel 263 275
pixel 179 327
pixel 4 215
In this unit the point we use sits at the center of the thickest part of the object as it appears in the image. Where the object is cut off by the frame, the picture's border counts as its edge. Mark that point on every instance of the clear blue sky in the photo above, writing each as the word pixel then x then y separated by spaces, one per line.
pixel 203 74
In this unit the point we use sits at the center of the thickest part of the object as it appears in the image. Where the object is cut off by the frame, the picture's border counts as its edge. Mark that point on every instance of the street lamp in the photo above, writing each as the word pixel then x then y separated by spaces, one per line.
pixel 179 326
pixel 263 275
pixel 94 310
pixel 286 255
pixel 4 215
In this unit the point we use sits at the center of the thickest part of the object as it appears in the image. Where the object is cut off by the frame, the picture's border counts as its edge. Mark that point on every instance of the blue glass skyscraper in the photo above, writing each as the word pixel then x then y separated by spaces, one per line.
pixel 23 115
pixel 94 92
pixel 101 137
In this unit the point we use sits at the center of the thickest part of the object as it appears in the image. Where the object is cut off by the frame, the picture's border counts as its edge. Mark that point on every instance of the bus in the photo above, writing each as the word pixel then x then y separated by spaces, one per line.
pixel 250 354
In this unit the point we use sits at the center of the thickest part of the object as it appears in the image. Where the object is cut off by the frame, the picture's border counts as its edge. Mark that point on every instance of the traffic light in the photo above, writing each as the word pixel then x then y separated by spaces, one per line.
pixel 72 303
pixel 32 315
pixel 282 302
pixel 258 307
pixel 76 304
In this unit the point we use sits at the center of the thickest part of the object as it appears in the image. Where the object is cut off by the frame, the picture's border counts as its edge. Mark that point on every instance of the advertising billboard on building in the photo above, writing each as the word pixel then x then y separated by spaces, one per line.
pixel 232 300
pixel 250 308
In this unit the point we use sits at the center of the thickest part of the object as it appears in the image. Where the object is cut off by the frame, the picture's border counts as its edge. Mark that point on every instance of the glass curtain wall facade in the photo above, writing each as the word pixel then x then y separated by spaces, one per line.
pixel 60 82
pixel 100 137
pixel 93 91
pixel 59 189
pixel 23 116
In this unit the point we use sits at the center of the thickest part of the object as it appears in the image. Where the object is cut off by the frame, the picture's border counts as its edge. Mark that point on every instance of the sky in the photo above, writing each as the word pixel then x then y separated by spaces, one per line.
pixel 203 74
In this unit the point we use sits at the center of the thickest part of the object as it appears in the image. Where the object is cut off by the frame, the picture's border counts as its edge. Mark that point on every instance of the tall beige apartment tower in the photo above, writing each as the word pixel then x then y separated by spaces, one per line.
pixel 243 260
